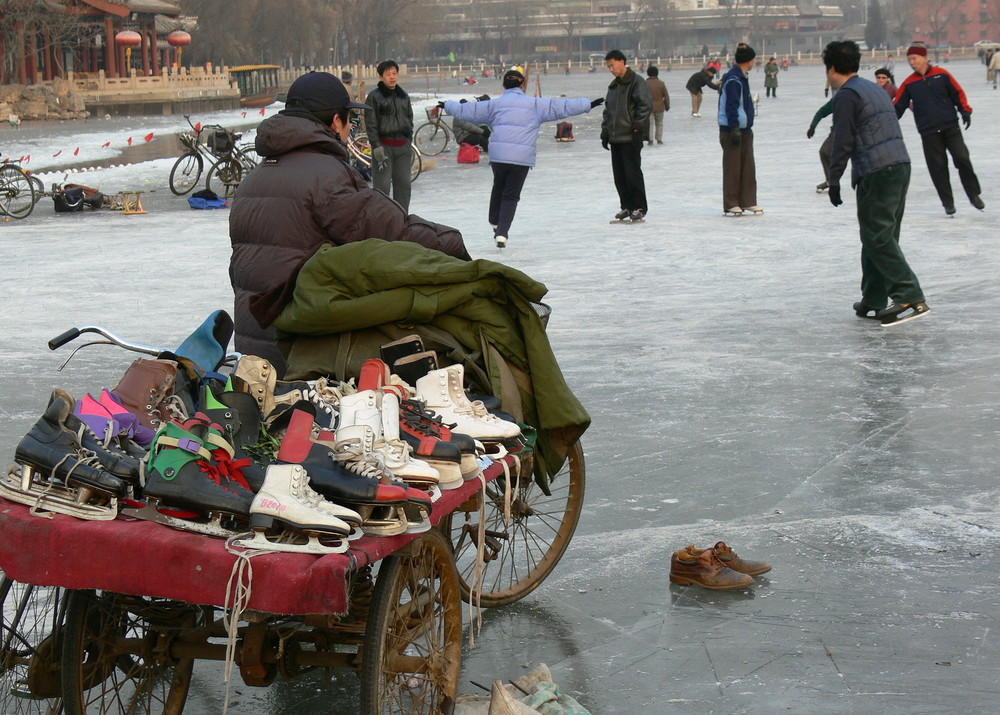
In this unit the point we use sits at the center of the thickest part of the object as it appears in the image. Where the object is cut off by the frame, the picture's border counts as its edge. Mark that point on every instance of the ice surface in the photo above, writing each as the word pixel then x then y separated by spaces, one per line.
pixel 734 394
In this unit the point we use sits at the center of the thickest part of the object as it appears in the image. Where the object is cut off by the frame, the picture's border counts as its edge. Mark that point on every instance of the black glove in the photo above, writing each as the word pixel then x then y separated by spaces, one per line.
pixel 811 132
pixel 596 102
pixel 966 119
pixel 487 131
pixel 834 192
pixel 735 136
pixel 440 105
pixel 463 100
pixel 605 142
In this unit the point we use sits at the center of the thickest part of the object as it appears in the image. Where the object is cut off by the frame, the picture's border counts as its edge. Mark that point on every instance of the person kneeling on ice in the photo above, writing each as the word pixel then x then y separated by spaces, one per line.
pixel 514 119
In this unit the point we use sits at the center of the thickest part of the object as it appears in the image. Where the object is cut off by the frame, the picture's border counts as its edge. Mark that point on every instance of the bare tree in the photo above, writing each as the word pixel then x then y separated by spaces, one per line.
pixel 940 16
pixel 898 16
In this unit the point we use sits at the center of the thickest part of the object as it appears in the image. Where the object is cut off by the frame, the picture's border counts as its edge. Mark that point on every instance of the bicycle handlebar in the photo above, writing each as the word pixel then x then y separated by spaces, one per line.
pixel 110 339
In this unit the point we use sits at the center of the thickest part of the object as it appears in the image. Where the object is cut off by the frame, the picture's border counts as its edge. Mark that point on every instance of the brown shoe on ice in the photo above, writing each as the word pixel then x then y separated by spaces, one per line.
pixel 702 568
pixel 728 557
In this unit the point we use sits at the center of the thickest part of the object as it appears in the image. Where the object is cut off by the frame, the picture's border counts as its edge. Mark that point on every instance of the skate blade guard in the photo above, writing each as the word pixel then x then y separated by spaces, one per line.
pixel 25 485
pixel 219 525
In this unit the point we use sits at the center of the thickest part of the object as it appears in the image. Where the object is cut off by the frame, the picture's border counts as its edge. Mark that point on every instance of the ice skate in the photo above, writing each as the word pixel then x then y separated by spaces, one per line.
pixel 345 475
pixel 354 448
pixel 145 388
pixel 380 412
pixel 898 313
pixel 733 211
pixel 621 217
pixel 186 490
pixel 753 210
pixel 288 515
pixel 501 241
pixel 637 216
pixel 444 392
pixel 26 485
pixel 61 451
pixel 262 382
pixel 822 188
pixel 434 442
pixel 239 417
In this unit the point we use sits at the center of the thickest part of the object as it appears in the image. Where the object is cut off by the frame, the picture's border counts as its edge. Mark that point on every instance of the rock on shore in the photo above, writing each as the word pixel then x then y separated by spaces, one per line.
pixel 49 101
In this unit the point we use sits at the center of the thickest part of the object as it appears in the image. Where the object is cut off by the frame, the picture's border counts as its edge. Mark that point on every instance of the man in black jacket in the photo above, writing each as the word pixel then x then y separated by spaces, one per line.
pixel 389 123
pixel 623 130
pixel 303 195
pixel 866 131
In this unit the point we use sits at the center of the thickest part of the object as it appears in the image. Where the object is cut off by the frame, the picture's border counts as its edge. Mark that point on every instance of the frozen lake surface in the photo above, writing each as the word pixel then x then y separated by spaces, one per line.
pixel 734 396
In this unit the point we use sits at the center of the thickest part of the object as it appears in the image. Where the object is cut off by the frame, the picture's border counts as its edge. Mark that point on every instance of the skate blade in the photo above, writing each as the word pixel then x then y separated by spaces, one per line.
pixel 291 542
pixel 209 526
pixel 24 485
pixel 418 519
pixel 384 521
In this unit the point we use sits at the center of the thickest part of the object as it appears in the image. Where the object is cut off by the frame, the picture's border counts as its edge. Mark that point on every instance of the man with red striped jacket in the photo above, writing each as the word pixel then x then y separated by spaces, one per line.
pixel 937 98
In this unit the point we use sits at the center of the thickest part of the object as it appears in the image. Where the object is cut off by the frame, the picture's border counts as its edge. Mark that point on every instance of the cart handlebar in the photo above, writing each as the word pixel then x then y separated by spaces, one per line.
pixel 109 339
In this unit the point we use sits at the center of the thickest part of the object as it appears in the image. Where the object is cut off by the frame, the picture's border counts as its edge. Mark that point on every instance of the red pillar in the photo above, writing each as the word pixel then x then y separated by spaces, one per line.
pixel 22 65
pixel 144 48
pixel 31 50
pixel 110 63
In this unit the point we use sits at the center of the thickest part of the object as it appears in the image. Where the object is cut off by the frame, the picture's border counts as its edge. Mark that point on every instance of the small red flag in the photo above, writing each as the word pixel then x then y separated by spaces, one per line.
pixel 57 154
pixel 197 127
pixel 130 141
pixel 149 137
pixel 244 114
pixel 105 145
pixel 262 111
pixel 76 152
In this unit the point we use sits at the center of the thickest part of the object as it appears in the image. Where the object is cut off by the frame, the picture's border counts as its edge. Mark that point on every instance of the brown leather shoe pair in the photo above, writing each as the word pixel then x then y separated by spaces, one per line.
pixel 717 568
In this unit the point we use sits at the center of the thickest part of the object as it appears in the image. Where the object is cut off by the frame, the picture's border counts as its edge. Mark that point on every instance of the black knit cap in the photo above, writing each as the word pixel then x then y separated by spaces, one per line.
pixel 320 91
pixel 513 74
pixel 744 53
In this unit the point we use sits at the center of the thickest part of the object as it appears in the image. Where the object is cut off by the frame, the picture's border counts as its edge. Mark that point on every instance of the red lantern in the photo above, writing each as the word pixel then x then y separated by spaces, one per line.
pixel 180 40
pixel 128 39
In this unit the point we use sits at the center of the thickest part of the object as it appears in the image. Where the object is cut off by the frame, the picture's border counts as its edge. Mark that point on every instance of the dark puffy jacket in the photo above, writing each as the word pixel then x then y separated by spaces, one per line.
pixel 936 97
pixel 302 196
pixel 390 116
pixel 626 109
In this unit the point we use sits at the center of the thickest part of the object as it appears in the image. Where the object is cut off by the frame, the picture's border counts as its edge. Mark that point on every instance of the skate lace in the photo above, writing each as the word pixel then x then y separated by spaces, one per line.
pixel 172 407
pixel 352 454
pixel 83 457
pixel 425 420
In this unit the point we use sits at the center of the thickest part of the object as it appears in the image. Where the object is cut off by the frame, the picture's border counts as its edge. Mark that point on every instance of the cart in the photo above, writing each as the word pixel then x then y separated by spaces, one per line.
pixel 110 616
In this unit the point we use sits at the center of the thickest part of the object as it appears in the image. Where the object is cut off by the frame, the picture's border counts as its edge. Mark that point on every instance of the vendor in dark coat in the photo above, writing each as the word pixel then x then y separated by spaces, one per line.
pixel 305 194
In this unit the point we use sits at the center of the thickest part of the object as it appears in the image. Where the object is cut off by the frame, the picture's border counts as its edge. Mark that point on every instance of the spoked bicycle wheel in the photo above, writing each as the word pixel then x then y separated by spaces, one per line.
pixel 116 654
pixel 30 648
pixel 412 652
pixel 224 176
pixel 185 173
pixel 17 193
pixel 520 555
pixel 431 138
pixel 416 164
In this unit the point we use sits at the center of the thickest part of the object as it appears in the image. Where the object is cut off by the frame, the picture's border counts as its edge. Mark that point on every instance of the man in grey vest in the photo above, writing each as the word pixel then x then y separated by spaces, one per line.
pixel 866 131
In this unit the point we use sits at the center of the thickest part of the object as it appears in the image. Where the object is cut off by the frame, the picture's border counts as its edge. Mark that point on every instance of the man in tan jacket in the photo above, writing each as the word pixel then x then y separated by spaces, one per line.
pixel 661 102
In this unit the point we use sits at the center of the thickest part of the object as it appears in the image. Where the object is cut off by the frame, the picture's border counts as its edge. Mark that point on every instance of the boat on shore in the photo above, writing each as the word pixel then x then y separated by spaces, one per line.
pixel 258 84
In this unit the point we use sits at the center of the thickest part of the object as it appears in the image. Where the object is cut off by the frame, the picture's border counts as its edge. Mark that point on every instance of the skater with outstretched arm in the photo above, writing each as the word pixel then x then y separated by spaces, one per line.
pixel 514 119
pixel 866 131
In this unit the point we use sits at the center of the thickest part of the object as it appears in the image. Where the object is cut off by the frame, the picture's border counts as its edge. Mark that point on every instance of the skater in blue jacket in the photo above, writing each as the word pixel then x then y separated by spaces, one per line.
pixel 514 119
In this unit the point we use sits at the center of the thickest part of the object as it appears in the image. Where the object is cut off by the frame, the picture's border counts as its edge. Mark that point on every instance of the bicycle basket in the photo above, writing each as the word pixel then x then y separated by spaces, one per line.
pixel 220 142
pixel 433 113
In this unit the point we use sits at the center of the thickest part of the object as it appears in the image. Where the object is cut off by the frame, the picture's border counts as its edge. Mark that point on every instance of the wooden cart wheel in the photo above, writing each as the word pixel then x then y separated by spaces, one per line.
pixel 116 656
pixel 518 556
pixel 412 652
pixel 29 648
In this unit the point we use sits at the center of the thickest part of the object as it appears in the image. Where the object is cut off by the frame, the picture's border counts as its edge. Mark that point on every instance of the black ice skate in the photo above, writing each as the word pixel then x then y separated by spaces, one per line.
pixel 58 472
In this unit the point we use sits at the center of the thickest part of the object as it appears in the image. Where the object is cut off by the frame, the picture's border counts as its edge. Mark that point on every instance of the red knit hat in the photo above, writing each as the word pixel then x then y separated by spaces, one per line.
pixel 917 50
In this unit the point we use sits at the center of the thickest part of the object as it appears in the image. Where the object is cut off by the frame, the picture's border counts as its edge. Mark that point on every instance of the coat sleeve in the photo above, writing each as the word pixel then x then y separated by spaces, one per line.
pixel 351 211
pixel 475 112
pixel 902 100
pixel 549 110
pixel 642 103
pixel 371 119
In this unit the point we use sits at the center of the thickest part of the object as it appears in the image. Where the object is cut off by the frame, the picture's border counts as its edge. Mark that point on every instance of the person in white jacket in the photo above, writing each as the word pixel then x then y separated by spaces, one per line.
pixel 514 120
